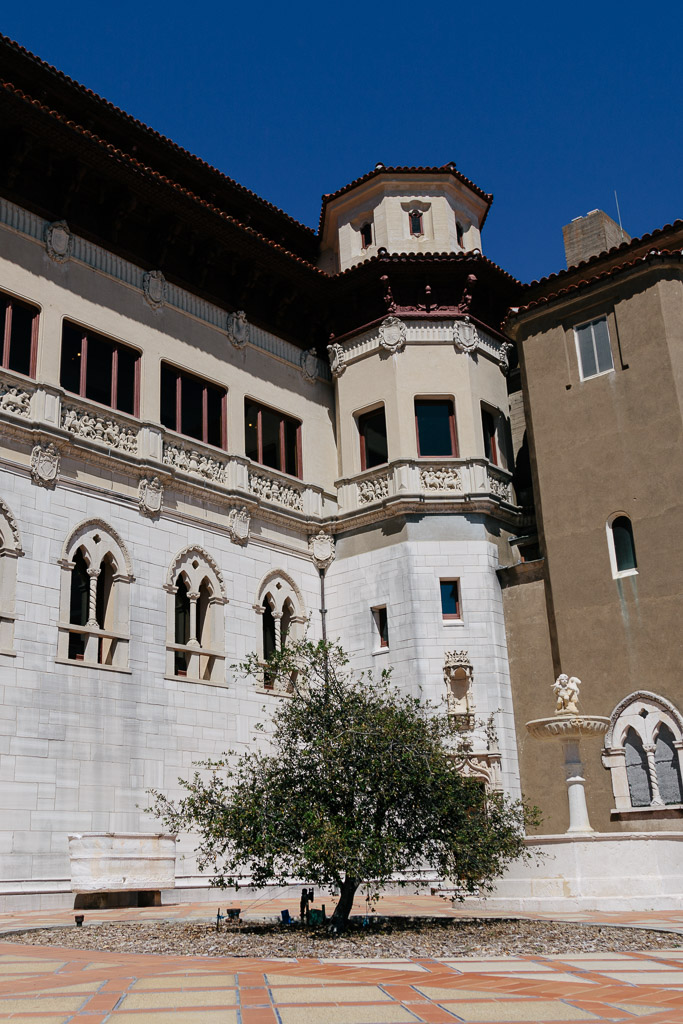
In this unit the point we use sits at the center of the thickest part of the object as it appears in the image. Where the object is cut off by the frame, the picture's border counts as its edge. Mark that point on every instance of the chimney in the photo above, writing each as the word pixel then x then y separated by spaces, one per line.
pixel 590 235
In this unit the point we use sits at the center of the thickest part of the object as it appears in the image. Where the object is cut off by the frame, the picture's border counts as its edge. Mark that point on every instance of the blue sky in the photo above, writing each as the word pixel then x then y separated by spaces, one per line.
pixel 550 107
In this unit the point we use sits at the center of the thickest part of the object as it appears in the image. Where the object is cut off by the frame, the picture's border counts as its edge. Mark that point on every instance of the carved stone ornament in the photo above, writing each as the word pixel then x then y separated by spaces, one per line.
pixel 238 328
pixel 465 336
pixel 373 490
pixel 440 478
pixel 106 431
pixel 458 675
pixel 150 496
pixel 15 400
pixel 58 241
pixel 239 522
pixel 392 334
pixel 308 362
pixel 500 488
pixel 504 357
pixel 566 690
pixel 269 489
pixel 190 460
pixel 337 362
pixel 44 464
pixel 322 549
pixel 154 288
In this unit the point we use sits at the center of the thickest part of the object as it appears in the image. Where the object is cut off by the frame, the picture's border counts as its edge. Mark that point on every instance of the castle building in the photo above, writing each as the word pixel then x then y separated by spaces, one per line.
pixel 220 428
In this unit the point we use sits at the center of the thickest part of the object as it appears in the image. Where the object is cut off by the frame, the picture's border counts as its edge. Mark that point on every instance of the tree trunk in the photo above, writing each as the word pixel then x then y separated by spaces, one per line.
pixel 343 909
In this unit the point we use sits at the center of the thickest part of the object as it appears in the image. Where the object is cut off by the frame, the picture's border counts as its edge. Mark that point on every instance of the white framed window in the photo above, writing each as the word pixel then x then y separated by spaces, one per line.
pixel 10 550
pixel 94 610
pixel 195 627
pixel 621 546
pixel 593 348
pixel 280 606
pixel 643 749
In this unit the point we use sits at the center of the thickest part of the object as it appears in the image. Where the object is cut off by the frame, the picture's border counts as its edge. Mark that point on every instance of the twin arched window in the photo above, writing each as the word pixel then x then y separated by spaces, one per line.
pixel 195 620
pixel 94 605
pixel 643 752
pixel 280 605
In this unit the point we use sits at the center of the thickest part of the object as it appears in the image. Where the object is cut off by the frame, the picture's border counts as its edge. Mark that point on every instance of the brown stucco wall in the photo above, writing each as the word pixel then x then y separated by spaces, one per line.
pixel 608 444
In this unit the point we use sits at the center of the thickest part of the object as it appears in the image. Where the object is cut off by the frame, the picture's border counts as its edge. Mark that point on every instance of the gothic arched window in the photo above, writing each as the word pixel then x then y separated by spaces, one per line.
pixel 195 635
pixel 280 605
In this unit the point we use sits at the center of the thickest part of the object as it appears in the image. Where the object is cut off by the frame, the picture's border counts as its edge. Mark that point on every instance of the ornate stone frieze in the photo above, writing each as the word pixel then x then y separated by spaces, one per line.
pixel 150 496
pixel 392 334
pixel 154 288
pixel 192 461
pixel 373 490
pixel 102 429
pixel 238 329
pixel 269 489
pixel 45 464
pixel 499 487
pixel 465 335
pixel 309 365
pixel 440 478
pixel 239 522
pixel 58 241
pixel 14 400
pixel 337 360
pixel 321 547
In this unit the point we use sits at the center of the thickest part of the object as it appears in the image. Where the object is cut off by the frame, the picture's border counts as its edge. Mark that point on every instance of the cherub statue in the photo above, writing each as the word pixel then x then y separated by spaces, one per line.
pixel 566 690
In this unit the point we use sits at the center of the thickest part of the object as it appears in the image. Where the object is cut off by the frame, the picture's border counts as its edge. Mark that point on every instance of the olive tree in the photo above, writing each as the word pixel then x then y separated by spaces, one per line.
pixel 356 784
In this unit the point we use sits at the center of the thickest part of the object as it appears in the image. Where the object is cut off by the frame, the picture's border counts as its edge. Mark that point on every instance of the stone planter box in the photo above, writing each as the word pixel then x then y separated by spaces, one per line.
pixel 121 861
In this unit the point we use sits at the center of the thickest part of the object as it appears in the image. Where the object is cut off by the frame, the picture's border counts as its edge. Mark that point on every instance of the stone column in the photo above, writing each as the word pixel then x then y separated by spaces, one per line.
pixel 192 640
pixel 578 810
pixel 92 599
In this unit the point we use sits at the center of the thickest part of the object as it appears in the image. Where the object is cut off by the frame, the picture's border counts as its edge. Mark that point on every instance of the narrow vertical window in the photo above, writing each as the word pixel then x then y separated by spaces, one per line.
pixel 18 335
pixel 381 626
pixel 637 771
pixel 99 369
pixel 435 426
pixel 269 635
pixel 372 429
pixel 78 605
pixel 622 548
pixel 668 767
pixel 272 438
pixel 450 599
pixel 182 624
pixel 415 219
pixel 460 234
pixel 593 348
pixel 366 236
pixel 193 406
pixel 488 424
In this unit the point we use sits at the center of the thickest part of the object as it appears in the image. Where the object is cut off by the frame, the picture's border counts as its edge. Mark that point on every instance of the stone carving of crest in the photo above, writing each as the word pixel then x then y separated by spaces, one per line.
pixel 239 522
pixel 336 355
pixel 392 334
pixel 150 496
pixel 44 464
pixel 238 328
pixel 322 549
pixel 308 362
pixel 458 674
pixel 465 335
pixel 58 241
pixel 154 288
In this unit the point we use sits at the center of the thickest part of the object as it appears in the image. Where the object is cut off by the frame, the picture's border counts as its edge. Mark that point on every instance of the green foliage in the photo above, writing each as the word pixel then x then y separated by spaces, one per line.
pixel 358 783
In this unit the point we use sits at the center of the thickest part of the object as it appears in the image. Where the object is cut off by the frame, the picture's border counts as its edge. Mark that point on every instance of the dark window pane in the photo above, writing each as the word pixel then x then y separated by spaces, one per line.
pixel 382 623
pixel 366 236
pixel 169 377
pixel 215 417
pixel 125 391
pixel 373 430
pixel 192 395
pixel 637 772
pixel 624 547
pixel 251 430
pixel 20 339
pixel 270 432
pixel 434 427
pixel 98 371
pixel 182 624
pixel 80 591
pixel 70 373
pixel 291 446
pixel 489 429
pixel 416 223
pixel 268 631
pixel 450 600
pixel 668 767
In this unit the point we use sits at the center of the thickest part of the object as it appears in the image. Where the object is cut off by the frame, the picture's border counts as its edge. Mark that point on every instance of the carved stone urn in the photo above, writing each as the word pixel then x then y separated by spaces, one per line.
pixel 568 726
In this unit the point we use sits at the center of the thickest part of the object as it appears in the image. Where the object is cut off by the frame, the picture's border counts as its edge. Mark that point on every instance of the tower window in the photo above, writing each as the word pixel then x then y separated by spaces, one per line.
pixel 415 219
pixel 435 426
pixel 593 348
pixel 488 424
pixel 366 235
pixel 460 234
pixel 372 428
pixel 450 599
pixel 622 546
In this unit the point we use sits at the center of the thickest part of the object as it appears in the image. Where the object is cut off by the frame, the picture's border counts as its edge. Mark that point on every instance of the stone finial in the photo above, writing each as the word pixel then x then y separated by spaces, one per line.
pixel 566 690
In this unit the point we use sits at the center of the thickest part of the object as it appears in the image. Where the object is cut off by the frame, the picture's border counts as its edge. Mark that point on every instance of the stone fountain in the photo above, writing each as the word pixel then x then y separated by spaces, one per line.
pixel 568 726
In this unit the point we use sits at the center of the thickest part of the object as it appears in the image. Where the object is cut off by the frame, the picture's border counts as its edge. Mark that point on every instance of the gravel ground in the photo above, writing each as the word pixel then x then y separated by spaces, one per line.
pixel 388 938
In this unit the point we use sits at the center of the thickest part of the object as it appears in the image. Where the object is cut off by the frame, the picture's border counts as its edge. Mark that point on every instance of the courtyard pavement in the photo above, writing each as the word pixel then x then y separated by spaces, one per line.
pixel 60 986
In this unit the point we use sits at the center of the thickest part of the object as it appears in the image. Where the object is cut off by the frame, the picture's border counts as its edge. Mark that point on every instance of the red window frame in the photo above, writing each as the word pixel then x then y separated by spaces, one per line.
pixel 379 614
pixel 360 420
pixel 457 614
pixel 284 418
pixel 451 423
pixel 205 384
pixel 117 346
pixel 489 426
pixel 9 302
pixel 415 214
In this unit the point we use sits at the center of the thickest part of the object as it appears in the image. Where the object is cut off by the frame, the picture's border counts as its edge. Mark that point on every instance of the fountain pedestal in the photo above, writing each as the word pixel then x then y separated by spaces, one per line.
pixel 569 729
